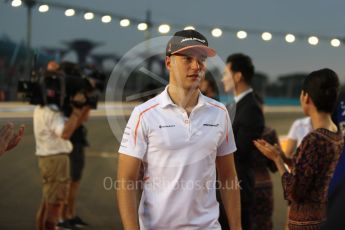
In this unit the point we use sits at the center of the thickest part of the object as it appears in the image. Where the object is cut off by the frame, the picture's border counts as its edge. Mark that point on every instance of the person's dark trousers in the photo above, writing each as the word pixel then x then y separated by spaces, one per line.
pixel 223 221
pixel 336 208
pixel 245 215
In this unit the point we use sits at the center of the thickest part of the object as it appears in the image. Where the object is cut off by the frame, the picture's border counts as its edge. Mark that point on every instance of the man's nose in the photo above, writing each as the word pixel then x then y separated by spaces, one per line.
pixel 196 64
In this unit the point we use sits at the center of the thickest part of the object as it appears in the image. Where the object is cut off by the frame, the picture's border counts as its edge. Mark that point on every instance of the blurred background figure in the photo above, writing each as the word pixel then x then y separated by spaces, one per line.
pixel 53 66
pixel 263 203
pixel 63 96
pixel 52 132
pixel 306 186
pixel 339 173
pixel 208 86
pixel 299 129
pixel 336 192
pixel 86 81
pixel 248 125
pixel 335 215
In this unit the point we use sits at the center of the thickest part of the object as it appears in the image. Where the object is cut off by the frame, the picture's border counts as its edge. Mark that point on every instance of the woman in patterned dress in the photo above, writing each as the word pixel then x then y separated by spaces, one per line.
pixel 306 186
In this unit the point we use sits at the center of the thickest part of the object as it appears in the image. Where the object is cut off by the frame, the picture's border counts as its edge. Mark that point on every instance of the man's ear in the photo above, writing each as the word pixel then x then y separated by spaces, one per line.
pixel 237 77
pixel 168 62
pixel 306 98
pixel 309 100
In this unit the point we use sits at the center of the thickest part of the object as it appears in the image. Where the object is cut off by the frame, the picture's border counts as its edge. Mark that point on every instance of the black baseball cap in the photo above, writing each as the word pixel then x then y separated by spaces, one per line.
pixel 188 39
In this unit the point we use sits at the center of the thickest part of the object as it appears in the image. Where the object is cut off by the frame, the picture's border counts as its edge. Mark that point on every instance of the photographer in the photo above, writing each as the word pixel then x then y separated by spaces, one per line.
pixel 52 133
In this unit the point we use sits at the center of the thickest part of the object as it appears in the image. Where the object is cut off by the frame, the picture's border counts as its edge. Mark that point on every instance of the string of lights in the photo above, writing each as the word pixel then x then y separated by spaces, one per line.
pixel 165 28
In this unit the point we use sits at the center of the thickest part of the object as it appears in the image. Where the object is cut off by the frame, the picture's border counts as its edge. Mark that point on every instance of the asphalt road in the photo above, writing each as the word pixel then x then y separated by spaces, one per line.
pixel 20 190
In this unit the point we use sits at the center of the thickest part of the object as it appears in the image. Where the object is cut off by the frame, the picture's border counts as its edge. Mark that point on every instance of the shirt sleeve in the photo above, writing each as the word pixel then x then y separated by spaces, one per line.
pixel 57 123
pixel 293 132
pixel 297 185
pixel 227 145
pixel 134 139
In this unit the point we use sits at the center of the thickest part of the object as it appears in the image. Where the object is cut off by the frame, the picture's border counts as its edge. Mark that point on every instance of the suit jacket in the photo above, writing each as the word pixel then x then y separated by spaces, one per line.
pixel 248 125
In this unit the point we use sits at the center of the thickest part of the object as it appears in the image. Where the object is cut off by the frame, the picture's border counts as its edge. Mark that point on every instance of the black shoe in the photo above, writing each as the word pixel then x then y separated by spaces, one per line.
pixel 78 222
pixel 66 224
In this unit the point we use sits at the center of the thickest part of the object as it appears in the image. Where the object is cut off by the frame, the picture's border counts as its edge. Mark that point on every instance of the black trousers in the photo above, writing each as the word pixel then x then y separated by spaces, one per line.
pixel 245 215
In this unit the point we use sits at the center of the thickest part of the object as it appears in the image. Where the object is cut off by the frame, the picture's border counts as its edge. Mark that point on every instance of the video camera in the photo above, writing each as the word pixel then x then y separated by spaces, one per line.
pixel 59 87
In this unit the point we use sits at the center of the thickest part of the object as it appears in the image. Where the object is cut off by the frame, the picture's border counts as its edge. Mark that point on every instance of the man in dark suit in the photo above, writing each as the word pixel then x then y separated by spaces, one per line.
pixel 248 125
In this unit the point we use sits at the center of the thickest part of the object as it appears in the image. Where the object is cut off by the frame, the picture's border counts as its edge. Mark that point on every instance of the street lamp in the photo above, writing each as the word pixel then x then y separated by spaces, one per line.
pixel 29 4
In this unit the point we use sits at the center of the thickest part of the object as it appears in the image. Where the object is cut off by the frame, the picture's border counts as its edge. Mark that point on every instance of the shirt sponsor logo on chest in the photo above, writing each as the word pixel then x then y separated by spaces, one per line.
pixel 211 125
pixel 166 126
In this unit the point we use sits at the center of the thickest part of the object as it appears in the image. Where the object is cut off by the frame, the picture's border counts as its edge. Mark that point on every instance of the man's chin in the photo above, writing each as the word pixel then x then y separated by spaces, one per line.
pixel 193 86
pixel 229 90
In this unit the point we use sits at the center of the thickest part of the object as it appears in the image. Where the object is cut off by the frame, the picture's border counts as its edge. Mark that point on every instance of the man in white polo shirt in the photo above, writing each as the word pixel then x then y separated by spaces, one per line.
pixel 180 137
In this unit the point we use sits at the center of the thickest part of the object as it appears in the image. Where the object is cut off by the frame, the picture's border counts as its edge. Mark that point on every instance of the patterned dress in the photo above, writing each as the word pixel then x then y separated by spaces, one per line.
pixel 263 202
pixel 306 187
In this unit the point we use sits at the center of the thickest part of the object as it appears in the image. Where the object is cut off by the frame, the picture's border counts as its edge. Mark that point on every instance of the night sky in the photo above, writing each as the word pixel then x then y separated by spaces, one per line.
pixel 275 58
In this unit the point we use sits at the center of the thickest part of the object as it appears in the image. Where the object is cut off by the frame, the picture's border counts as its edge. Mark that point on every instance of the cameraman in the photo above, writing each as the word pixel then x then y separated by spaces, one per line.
pixel 52 133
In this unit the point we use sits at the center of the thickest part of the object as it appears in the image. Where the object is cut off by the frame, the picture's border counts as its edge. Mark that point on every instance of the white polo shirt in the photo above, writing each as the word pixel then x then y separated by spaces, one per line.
pixel 299 129
pixel 178 154
pixel 48 127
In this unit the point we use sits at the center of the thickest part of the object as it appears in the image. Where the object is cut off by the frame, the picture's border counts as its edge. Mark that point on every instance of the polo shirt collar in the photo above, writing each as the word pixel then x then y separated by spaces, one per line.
pixel 165 100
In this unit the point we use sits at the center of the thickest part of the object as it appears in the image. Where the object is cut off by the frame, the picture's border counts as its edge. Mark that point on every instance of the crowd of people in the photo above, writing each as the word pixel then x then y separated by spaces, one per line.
pixel 201 164
pixel 62 98
pixel 187 149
